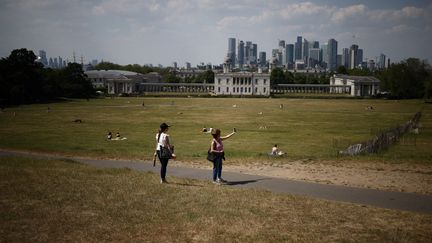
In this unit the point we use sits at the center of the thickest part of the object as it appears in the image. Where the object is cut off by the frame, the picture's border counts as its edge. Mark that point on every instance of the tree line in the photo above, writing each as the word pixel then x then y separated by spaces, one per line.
pixel 168 74
pixel 410 78
pixel 24 80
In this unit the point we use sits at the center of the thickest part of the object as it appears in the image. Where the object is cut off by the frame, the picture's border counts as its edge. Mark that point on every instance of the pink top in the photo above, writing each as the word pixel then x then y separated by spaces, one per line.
pixel 218 146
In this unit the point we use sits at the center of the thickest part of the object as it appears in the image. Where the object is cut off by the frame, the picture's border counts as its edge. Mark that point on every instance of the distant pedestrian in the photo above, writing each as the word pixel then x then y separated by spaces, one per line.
pixel 217 149
pixel 164 150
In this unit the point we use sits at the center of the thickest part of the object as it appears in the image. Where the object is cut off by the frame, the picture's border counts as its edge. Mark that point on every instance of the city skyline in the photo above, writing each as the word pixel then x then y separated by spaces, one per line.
pixel 163 32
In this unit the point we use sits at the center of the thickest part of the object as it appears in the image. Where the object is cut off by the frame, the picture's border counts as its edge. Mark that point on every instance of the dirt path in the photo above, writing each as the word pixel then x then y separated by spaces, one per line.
pixel 383 176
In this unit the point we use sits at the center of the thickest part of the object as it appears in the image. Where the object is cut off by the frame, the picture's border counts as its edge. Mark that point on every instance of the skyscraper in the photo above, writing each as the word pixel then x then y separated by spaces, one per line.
pixel 262 58
pixel 298 53
pixel 43 57
pixel 231 49
pixel 353 56
pixel 241 54
pixel 345 57
pixel 290 53
pixel 382 61
pixel 324 53
pixel 254 53
pixel 314 56
pixel 332 54
pixel 248 52
pixel 359 56
pixel 305 50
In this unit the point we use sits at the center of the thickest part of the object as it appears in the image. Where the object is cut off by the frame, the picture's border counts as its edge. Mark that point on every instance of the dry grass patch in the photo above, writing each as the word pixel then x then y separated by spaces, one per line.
pixel 55 200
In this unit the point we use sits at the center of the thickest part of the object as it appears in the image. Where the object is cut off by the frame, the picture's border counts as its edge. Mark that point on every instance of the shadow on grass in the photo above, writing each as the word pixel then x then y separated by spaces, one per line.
pixel 234 183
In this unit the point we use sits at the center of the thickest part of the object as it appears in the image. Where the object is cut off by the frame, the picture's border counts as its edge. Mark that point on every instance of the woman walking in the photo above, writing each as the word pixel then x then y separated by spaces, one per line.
pixel 164 150
pixel 218 150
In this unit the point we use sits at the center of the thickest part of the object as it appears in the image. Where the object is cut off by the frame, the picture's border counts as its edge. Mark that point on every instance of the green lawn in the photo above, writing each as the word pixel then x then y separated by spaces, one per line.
pixel 61 200
pixel 304 128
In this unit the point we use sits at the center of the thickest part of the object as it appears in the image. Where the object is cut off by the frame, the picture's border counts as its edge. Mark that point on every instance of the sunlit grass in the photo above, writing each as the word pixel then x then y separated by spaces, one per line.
pixel 304 128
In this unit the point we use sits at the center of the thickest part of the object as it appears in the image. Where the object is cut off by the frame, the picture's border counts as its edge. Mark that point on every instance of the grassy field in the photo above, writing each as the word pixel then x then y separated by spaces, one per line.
pixel 310 129
pixel 61 200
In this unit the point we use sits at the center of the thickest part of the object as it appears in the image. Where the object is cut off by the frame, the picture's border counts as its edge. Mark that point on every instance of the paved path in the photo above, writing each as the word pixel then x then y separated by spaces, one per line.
pixel 384 199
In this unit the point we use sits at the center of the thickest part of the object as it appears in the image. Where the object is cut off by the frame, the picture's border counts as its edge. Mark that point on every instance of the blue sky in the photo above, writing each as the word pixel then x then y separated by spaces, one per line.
pixel 160 32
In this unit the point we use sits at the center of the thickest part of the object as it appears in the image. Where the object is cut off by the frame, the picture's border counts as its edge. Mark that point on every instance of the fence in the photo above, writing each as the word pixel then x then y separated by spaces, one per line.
pixel 384 139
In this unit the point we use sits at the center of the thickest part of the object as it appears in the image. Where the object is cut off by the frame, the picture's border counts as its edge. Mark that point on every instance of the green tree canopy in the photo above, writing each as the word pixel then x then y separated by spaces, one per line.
pixel 407 79
pixel 277 76
pixel 21 78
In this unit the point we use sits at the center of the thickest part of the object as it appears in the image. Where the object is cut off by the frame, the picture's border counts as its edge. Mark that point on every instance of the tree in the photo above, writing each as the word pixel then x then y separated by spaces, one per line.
pixel 289 77
pixel 277 76
pixel 341 70
pixel 108 66
pixel 74 83
pixel 21 78
pixel 407 79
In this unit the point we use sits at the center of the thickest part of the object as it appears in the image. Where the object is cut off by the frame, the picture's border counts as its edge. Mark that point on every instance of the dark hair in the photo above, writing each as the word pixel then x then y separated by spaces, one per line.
pixel 216 133
pixel 164 126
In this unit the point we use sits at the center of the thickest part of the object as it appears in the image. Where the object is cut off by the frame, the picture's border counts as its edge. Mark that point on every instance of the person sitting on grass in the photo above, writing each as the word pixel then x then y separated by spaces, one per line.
pixel 276 152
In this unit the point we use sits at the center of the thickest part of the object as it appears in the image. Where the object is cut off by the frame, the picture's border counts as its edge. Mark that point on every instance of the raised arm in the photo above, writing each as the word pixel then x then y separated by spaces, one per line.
pixel 228 136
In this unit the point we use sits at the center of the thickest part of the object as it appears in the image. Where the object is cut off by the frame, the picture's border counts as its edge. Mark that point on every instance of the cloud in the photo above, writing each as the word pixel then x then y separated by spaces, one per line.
pixel 125 7
pixel 343 14
pixel 398 29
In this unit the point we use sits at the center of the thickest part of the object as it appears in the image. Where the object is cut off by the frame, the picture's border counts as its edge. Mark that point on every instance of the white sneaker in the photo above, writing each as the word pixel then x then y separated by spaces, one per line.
pixel 221 180
pixel 163 181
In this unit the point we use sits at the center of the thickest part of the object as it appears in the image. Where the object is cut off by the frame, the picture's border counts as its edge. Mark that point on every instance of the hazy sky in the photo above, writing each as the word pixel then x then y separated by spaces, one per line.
pixel 160 32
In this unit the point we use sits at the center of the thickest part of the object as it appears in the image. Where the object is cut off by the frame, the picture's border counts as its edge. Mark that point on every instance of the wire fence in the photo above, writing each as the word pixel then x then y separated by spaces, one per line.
pixel 384 139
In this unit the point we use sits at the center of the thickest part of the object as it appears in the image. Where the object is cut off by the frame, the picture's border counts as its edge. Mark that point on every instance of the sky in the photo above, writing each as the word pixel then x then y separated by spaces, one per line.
pixel 195 31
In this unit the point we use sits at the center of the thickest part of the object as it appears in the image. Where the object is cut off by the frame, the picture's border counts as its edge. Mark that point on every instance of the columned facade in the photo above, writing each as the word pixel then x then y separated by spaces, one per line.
pixel 242 83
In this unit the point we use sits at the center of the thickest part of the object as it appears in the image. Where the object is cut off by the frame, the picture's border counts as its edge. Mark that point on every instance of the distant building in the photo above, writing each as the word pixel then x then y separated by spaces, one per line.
pixel 241 83
pixel 43 57
pixel 353 56
pixel 359 85
pixel 382 61
pixel 232 48
pixel 290 54
pixel 121 82
pixel 345 57
pixel 262 59
pixel 298 52
pixel 332 54
pixel 241 54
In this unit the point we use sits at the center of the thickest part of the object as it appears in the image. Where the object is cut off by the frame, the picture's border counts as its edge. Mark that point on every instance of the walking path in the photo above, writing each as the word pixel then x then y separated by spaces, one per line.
pixel 384 199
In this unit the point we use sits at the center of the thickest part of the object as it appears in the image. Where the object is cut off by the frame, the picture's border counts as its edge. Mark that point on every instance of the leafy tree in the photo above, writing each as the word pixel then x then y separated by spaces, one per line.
pixel 341 70
pixel 289 77
pixel 207 77
pixel 171 78
pixel 108 66
pixel 277 76
pixel 74 83
pixel 359 72
pixel 407 79
pixel 21 78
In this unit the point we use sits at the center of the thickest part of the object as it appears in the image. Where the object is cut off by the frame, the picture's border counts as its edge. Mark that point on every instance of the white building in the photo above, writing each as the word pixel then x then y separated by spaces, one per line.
pixel 359 85
pixel 119 81
pixel 242 83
